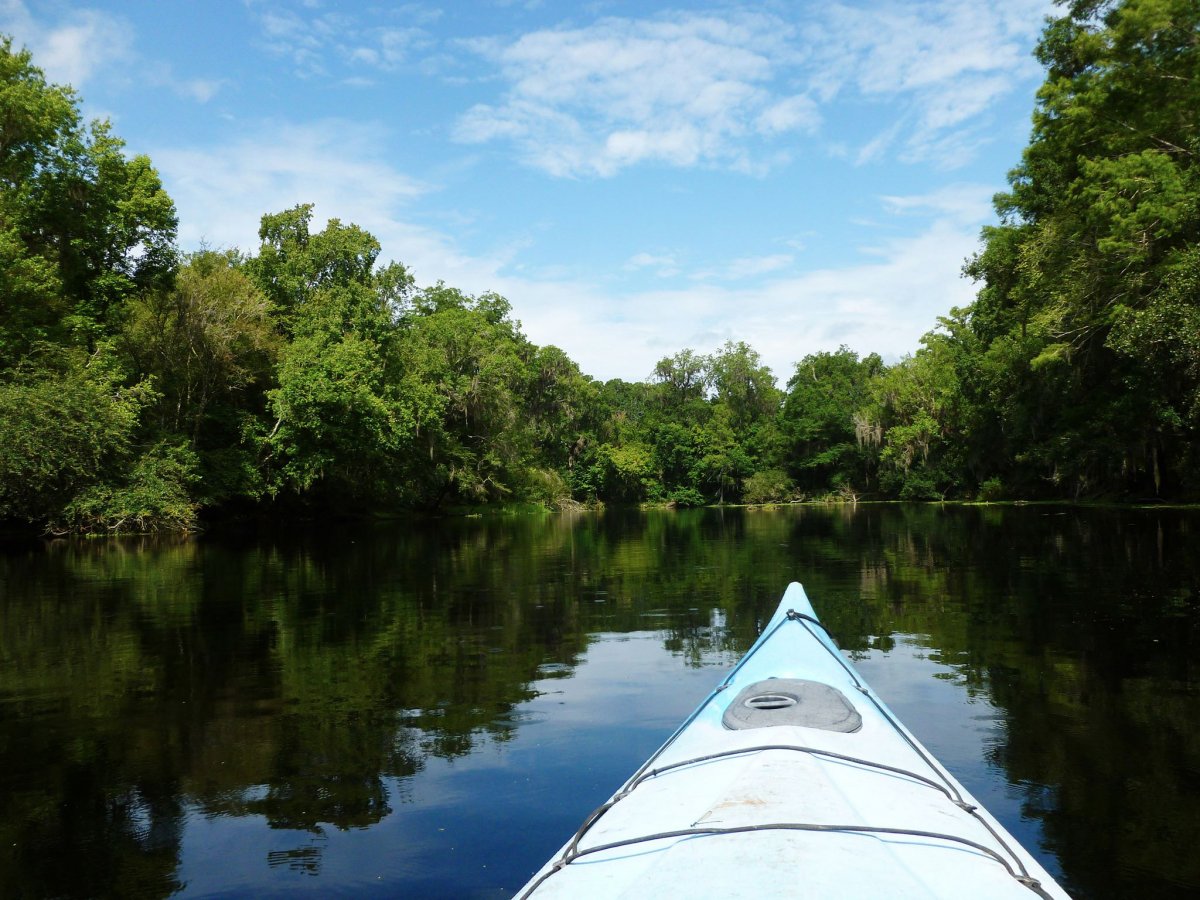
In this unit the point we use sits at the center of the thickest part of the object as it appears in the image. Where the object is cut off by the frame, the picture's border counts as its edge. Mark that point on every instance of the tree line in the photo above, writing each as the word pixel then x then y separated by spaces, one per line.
pixel 142 387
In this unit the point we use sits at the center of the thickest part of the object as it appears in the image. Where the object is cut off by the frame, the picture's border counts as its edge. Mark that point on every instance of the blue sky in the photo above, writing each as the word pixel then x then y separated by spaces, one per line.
pixel 636 178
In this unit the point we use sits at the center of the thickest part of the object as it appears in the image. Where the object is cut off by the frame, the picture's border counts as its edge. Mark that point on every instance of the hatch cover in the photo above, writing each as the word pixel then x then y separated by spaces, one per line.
pixel 791 701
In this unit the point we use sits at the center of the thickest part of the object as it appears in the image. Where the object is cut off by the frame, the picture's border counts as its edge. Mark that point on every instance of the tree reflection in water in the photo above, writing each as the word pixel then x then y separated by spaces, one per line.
pixel 305 681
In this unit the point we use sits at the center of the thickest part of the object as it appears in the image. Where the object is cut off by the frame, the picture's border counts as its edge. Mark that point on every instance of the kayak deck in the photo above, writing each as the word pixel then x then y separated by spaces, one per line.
pixel 792 779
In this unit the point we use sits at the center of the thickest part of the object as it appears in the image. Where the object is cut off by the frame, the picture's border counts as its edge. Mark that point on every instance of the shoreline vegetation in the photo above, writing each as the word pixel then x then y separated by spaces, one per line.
pixel 146 389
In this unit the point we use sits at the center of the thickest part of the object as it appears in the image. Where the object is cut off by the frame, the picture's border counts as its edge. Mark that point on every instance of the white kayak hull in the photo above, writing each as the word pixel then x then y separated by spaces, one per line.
pixel 793 780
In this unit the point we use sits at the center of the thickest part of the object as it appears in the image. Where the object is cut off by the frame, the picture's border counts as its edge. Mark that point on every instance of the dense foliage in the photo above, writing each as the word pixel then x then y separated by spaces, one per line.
pixel 1082 349
pixel 140 386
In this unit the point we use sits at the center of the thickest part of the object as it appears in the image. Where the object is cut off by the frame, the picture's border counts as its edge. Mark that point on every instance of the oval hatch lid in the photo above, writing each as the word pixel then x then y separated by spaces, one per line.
pixel 791 701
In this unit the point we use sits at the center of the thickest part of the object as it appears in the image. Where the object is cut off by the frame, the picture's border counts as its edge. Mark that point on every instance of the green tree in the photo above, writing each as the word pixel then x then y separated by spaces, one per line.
pixel 466 372
pixel 675 422
pixel 561 402
pixel 691 434
pixel 84 231
pixel 70 425
pixel 206 341
pixel 342 426
pixel 826 447
pixel 724 461
pixel 1081 310
pixel 744 385
pixel 627 473
pixel 746 388
pixel 36 119
pixel 294 266
pixel 683 381
pixel 111 225
pixel 918 408
pixel 82 227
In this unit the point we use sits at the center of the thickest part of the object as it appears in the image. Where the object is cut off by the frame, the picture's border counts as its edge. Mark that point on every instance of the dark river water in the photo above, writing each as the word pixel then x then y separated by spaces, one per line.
pixel 430 710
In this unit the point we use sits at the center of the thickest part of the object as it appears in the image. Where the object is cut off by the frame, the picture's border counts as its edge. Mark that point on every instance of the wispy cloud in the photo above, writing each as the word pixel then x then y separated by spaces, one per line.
pixel 878 146
pixel 722 90
pixel 664 265
pixel 222 191
pixel 199 89
pixel 740 90
pixel 388 47
pixel 881 304
pixel 682 89
pixel 941 63
pixel 162 74
pixel 82 43
pixel 965 204
pixel 316 39
pixel 300 38
pixel 746 267
pixel 75 47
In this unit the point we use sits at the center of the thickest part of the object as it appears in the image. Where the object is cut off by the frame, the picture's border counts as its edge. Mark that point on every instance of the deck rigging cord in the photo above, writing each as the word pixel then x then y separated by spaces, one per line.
pixel 944 784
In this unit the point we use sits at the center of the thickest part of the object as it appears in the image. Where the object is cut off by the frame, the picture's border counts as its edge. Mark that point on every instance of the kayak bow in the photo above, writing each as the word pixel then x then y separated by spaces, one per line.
pixel 792 779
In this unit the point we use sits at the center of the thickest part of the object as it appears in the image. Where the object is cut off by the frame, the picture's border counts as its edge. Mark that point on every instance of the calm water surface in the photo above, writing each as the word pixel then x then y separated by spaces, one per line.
pixel 430 710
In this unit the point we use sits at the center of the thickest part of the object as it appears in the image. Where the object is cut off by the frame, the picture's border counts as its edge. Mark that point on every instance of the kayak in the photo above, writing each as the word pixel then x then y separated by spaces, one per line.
pixel 792 779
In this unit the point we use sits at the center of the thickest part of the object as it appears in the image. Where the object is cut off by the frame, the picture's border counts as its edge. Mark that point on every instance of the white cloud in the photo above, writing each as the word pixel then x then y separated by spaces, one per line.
pixel 877 147
pixel 394 43
pixel 299 38
pixel 314 40
pixel 84 42
pixel 221 192
pixel 684 90
pixel 752 266
pixel 746 267
pixel 161 74
pixel 889 49
pixel 382 48
pixel 199 89
pixel 740 269
pixel 789 114
pixel 965 204
pixel 882 303
pixel 943 63
pixel 664 265
pixel 949 108
pixel 718 90
pixel 73 49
